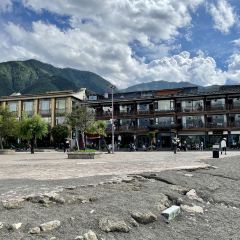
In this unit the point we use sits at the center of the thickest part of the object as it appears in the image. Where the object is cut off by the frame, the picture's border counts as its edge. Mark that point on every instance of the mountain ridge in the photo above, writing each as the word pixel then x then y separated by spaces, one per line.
pixel 33 76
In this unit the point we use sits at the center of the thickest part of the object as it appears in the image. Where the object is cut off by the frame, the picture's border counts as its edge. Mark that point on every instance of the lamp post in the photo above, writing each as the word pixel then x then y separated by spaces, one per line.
pixel 112 87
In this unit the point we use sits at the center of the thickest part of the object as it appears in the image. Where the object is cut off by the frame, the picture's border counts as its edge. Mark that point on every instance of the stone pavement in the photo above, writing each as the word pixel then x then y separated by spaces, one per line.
pixel 55 165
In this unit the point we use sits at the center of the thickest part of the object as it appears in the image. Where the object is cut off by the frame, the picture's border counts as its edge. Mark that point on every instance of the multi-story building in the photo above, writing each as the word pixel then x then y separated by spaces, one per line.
pixel 51 106
pixel 147 117
pixel 192 114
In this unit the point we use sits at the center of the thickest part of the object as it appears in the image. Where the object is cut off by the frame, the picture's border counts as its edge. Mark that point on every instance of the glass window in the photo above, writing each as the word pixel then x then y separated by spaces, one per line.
pixel 192 105
pixel 164 105
pixel 217 102
pixel 60 103
pixel 12 106
pixel 60 120
pixel 164 121
pixel 28 106
pixel 44 104
pixel 236 102
pixel 143 107
pixel 143 122
pixel 193 121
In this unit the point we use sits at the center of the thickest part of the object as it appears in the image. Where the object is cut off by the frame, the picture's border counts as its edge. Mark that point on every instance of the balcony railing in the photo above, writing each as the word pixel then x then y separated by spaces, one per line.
pixel 234 124
pixel 193 125
pixel 192 109
pixel 164 110
pixel 234 107
pixel 216 107
pixel 216 125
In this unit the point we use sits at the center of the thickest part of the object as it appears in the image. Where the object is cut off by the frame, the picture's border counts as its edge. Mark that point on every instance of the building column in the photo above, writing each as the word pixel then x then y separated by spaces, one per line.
pixel 68 105
pixel 53 109
pixel 19 113
pixel 4 104
pixel 35 107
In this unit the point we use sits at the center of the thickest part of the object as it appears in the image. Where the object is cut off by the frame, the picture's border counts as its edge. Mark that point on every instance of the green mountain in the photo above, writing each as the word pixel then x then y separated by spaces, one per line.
pixel 158 85
pixel 33 76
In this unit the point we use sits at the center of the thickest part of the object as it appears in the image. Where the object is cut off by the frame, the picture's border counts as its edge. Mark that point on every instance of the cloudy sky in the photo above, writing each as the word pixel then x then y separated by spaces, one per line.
pixel 127 41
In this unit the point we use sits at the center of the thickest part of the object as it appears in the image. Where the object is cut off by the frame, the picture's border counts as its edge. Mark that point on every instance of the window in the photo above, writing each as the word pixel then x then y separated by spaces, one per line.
pixel 12 106
pixel 60 120
pixel 193 121
pixel 164 105
pixel 44 106
pixel 28 107
pixel 60 105
pixel 164 121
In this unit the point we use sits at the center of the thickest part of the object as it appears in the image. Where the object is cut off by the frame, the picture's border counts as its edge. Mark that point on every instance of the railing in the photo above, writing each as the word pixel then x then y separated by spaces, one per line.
pixel 233 107
pixel 192 109
pixel 164 110
pixel 216 125
pixel 193 125
pixel 234 124
pixel 216 107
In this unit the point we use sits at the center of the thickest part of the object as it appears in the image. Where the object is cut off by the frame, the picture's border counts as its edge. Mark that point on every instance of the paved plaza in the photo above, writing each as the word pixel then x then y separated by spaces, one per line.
pixel 56 165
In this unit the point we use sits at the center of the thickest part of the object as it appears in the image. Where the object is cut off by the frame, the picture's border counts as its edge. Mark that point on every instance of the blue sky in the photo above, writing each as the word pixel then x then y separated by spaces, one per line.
pixel 127 42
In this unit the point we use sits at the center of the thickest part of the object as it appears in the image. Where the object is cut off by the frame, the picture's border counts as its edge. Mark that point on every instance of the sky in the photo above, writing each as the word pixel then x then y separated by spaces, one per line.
pixel 127 41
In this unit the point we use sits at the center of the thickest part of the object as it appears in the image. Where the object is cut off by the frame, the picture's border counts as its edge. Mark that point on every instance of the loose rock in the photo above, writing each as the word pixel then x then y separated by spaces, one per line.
pixel 49 226
pixel 13 203
pixel 112 224
pixel 90 235
pixel 35 230
pixel 16 226
pixel 193 195
pixel 192 209
pixel 144 217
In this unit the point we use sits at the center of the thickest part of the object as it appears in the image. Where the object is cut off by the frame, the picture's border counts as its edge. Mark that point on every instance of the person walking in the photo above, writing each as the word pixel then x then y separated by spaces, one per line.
pixel 223 145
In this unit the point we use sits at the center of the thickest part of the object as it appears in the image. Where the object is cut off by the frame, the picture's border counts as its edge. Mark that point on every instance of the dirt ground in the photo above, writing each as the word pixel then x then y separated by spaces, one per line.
pixel 80 203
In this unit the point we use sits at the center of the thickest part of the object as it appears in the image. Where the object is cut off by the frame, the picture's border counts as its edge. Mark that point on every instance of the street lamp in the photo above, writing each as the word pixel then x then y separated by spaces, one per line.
pixel 112 87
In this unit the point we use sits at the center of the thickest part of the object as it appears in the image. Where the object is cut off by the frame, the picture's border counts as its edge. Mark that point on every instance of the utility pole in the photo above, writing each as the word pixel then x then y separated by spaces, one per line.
pixel 112 87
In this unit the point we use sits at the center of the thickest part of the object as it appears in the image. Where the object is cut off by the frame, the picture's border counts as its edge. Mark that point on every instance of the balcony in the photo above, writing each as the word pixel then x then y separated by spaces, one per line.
pixel 126 113
pixel 164 110
pixel 235 124
pixel 216 125
pixel 144 112
pixel 193 125
pixel 234 107
pixel 219 107
pixel 192 109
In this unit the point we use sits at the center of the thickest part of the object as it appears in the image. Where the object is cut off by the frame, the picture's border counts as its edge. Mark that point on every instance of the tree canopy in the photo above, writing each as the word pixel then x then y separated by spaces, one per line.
pixel 8 125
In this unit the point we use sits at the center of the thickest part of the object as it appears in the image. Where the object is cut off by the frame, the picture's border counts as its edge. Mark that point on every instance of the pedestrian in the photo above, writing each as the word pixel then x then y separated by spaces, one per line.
pixel 223 145
pixel 201 145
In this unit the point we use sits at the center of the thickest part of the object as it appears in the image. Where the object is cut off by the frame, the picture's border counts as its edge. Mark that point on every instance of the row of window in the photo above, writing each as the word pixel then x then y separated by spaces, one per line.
pixel 44 106
pixel 185 121
pixel 185 106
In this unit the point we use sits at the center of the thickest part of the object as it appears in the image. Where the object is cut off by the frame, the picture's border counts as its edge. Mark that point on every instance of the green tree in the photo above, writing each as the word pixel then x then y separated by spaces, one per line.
pixel 59 133
pixel 99 128
pixel 81 119
pixel 32 128
pixel 8 125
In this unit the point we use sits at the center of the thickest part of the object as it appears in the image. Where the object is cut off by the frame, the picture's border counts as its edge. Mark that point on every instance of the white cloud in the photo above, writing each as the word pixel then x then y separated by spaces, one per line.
pixel 103 44
pixel 236 42
pixel 223 15
pixel 5 5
